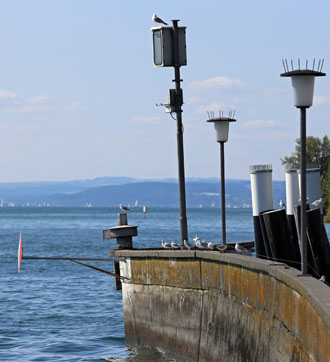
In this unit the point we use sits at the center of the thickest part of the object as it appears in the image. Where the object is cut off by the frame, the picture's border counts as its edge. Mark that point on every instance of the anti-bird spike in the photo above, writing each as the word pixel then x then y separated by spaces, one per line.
pixel 283 65
pixel 287 66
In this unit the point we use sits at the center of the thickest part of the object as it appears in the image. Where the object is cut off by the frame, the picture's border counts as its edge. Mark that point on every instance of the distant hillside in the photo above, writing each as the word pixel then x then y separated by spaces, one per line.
pixel 112 191
pixel 164 194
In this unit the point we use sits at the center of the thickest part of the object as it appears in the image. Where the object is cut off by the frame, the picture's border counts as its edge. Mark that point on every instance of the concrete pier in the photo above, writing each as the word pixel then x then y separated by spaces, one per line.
pixel 209 306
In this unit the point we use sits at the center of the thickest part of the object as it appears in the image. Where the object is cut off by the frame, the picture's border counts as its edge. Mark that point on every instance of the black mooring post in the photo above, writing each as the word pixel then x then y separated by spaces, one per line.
pixel 223 194
pixel 178 110
pixel 303 236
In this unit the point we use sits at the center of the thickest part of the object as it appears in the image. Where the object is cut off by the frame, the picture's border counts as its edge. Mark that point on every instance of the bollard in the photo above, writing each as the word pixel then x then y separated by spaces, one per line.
pixel 123 233
pixel 268 249
pixel 279 238
pixel 262 199
pixel 292 196
pixel 319 244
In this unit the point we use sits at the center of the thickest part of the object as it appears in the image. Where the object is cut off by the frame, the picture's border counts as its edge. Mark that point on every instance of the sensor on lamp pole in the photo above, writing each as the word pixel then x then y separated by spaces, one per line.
pixel 221 127
pixel 303 91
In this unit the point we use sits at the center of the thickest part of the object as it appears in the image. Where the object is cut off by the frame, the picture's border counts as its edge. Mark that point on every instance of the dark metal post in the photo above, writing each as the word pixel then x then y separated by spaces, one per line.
pixel 223 194
pixel 178 110
pixel 303 236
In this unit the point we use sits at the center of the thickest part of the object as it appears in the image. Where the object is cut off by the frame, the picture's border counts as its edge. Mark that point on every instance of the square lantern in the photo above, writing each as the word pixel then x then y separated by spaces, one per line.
pixel 162 39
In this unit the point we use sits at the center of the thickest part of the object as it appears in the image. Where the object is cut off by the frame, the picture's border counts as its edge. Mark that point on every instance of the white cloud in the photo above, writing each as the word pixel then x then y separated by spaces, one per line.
pixel 32 104
pixel 73 106
pixel 25 128
pixel 7 94
pixel 146 119
pixel 319 100
pixel 37 99
pixel 29 108
pixel 214 106
pixel 260 123
pixel 194 99
pixel 220 82
pixel 276 91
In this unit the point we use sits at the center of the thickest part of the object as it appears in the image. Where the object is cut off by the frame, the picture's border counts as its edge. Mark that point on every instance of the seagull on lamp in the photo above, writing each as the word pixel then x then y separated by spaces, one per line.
pixel 158 20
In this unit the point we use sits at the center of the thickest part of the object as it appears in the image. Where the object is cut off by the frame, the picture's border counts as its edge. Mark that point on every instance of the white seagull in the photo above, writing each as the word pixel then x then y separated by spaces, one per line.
pixel 322 279
pixel 317 202
pixel 221 247
pixel 211 245
pixel 199 244
pixel 241 250
pixel 282 204
pixel 187 245
pixel 158 20
pixel 166 245
pixel 196 238
pixel 124 208
pixel 175 245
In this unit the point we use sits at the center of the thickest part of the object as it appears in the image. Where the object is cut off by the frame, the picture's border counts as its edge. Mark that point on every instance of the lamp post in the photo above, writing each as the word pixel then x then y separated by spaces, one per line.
pixel 221 127
pixel 303 91
pixel 169 48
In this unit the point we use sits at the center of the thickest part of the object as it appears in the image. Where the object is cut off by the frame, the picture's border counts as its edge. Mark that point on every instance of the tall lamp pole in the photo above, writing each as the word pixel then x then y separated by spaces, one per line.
pixel 169 48
pixel 178 110
pixel 303 91
pixel 221 126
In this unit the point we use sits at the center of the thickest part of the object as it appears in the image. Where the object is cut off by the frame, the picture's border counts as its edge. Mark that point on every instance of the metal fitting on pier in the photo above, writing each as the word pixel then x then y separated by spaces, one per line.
pixel 123 233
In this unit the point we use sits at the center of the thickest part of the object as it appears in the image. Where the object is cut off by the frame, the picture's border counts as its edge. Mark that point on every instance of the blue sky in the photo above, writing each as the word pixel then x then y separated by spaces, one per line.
pixel 78 88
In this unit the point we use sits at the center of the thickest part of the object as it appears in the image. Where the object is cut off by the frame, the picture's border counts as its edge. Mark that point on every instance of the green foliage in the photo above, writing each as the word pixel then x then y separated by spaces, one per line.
pixel 317 152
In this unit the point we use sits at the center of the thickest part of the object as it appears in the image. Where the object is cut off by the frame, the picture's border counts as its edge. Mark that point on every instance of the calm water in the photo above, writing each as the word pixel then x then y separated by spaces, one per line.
pixel 61 311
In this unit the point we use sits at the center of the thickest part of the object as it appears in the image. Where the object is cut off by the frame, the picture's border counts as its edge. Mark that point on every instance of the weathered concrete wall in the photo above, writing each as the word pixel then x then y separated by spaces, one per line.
pixel 224 307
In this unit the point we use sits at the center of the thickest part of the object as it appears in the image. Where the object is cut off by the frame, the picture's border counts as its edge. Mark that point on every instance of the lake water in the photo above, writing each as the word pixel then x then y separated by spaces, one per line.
pixel 61 311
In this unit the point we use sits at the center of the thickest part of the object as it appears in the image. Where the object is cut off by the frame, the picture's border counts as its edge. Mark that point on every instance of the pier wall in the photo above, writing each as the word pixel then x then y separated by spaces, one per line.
pixel 209 306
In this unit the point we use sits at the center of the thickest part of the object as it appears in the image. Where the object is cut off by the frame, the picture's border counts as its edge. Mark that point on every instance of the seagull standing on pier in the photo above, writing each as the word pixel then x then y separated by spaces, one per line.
pixel 317 202
pixel 322 279
pixel 187 245
pixel 158 20
pixel 221 247
pixel 166 245
pixel 175 245
pixel 241 250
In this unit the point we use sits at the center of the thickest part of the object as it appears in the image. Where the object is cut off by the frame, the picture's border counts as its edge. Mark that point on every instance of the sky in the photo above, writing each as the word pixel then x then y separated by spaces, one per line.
pixel 78 89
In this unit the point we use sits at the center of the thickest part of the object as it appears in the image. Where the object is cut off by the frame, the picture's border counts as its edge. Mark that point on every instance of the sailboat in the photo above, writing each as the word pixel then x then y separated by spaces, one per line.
pixel 136 204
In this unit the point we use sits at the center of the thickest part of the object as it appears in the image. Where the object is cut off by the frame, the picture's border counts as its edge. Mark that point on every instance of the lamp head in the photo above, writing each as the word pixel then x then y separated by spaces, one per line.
pixel 221 127
pixel 303 85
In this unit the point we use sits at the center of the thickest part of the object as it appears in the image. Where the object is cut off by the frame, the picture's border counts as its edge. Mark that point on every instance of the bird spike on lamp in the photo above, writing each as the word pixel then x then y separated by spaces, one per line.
pixel 303 81
pixel 221 124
